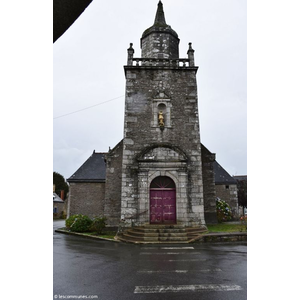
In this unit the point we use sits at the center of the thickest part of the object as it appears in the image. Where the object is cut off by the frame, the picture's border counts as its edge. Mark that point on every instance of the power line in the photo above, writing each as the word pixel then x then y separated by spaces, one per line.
pixel 74 112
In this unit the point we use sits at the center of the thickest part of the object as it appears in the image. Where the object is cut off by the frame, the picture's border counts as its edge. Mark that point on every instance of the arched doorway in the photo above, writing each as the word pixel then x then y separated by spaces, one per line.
pixel 162 201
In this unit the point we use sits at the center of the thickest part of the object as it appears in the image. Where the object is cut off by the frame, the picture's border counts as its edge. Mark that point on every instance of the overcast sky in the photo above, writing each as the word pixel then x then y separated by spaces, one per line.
pixel 88 70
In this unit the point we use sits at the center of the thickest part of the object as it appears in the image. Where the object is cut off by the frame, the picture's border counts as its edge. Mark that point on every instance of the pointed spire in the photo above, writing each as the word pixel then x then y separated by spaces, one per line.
pixel 158 47
pixel 160 15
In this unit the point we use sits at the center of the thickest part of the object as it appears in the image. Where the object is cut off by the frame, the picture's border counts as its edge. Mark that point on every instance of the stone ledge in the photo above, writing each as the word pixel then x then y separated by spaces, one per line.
pixel 222 237
pixel 85 235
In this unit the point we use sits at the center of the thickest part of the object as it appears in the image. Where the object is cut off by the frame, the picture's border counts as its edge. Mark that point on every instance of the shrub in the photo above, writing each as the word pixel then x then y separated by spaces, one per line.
pixel 98 224
pixel 244 222
pixel 71 220
pixel 223 211
pixel 79 223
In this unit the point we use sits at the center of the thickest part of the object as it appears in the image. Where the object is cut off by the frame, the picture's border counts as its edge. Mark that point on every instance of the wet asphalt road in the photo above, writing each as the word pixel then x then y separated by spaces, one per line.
pixel 109 271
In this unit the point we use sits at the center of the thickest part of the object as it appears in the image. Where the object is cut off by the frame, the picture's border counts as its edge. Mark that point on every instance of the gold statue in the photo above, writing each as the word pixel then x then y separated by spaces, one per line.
pixel 161 119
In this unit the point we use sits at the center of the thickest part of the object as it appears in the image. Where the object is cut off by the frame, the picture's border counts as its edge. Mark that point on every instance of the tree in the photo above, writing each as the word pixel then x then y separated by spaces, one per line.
pixel 60 184
pixel 242 193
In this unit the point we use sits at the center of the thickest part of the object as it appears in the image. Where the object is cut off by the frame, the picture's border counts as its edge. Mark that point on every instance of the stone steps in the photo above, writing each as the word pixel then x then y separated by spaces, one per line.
pixel 155 226
pixel 155 234
pixel 158 230
pixel 129 239
pixel 161 234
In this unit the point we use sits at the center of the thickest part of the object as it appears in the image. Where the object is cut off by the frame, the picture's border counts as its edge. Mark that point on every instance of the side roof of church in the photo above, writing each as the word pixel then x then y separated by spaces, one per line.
pixel 93 169
pixel 221 175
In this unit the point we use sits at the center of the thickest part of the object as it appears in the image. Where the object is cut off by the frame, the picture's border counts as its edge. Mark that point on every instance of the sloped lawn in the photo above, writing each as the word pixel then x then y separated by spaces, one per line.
pixel 224 227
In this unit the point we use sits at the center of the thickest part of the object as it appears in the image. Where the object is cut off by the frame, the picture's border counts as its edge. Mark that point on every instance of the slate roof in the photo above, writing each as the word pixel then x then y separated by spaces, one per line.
pixel 221 176
pixel 56 198
pixel 93 170
pixel 240 177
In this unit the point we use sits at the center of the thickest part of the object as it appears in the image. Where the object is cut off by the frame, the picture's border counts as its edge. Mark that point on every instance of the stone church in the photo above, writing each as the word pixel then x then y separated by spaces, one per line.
pixel 159 173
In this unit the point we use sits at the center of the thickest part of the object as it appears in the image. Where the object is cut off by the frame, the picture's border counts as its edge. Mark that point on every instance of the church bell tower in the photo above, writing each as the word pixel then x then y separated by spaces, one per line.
pixel 161 165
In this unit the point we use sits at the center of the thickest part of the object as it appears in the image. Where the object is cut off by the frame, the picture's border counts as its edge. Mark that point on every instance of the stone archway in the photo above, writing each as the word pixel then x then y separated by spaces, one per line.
pixel 162 201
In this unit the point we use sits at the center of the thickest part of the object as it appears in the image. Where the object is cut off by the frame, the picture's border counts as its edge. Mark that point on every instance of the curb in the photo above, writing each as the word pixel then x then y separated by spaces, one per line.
pixel 223 237
pixel 85 236
pixel 209 237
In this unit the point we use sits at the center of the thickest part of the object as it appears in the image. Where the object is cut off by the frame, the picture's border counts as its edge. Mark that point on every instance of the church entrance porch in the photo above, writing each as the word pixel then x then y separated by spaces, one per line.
pixel 162 187
pixel 162 201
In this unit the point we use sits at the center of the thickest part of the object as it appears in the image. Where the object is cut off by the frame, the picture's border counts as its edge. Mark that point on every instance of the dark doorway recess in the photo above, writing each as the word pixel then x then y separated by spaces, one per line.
pixel 162 201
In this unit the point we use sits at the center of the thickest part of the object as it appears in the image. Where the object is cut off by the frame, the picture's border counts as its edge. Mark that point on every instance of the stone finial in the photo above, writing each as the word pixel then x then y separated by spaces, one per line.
pixel 160 15
pixel 191 55
pixel 130 52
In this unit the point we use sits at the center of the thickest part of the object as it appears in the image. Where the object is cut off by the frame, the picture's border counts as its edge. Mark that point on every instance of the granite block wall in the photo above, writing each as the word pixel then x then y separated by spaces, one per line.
pixel 87 198
pixel 229 194
pixel 112 208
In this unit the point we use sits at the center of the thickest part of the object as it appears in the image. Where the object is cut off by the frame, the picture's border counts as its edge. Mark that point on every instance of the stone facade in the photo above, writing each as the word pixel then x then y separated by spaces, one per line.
pixel 162 161
pixel 226 188
pixel 229 194
pixel 87 198
pixel 58 210
pixel 161 82
pixel 113 184
pixel 59 206
pixel 208 159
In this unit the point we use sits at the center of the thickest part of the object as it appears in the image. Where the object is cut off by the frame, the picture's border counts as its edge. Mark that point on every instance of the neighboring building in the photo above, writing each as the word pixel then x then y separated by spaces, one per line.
pixel 58 207
pixel 242 193
pixel 226 188
pixel 160 173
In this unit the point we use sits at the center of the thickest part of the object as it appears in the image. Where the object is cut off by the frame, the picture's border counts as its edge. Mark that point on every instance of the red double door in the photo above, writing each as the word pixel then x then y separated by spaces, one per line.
pixel 162 206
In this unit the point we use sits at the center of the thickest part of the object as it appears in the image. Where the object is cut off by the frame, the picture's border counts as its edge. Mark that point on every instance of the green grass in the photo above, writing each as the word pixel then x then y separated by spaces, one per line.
pixel 106 235
pixel 223 227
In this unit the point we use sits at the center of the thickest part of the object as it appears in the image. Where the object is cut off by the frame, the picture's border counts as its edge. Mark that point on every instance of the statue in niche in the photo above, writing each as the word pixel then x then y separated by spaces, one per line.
pixel 161 119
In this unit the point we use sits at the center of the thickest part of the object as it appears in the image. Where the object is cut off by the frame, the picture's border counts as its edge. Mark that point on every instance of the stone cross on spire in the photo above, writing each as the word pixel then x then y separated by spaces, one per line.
pixel 160 15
